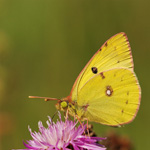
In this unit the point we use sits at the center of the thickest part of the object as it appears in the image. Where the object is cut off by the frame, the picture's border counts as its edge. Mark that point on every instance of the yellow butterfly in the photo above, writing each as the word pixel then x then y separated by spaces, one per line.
pixel 107 90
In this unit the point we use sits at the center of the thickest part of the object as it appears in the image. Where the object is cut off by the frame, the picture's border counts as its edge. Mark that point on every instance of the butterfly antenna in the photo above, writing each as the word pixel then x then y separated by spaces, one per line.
pixel 45 98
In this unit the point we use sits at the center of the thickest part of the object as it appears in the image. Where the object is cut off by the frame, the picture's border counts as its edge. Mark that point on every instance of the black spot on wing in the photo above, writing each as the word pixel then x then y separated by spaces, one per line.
pixel 100 49
pixel 102 75
pixel 127 92
pixel 94 70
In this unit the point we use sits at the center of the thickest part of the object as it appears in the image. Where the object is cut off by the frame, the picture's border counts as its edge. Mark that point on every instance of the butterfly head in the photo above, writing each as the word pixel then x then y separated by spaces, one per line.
pixel 62 105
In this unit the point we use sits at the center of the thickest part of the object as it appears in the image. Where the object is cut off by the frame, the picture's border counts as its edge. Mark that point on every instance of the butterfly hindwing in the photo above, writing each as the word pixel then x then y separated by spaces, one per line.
pixel 111 97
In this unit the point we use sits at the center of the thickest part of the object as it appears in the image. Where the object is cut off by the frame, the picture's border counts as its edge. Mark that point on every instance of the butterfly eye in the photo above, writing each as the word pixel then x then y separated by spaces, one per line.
pixel 94 70
pixel 64 104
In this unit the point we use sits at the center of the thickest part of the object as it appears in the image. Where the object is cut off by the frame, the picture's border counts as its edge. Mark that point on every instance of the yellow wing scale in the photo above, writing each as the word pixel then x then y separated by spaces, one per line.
pixel 119 105
pixel 107 90
pixel 114 53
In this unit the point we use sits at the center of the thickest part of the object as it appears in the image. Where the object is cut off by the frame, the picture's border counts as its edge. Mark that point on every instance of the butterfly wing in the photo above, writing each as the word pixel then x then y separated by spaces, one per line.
pixel 114 53
pixel 111 97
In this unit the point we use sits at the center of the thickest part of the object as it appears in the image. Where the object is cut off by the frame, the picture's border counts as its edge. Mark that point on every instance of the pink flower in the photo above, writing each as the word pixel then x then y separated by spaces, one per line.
pixel 62 136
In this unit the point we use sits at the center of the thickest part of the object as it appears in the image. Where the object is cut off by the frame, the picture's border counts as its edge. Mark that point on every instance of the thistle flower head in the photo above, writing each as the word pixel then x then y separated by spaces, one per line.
pixel 62 136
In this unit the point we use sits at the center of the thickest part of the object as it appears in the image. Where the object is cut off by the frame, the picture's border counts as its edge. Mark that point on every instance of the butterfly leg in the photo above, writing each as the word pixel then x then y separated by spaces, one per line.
pixel 67 112
pixel 87 128
pixel 54 114
pixel 80 123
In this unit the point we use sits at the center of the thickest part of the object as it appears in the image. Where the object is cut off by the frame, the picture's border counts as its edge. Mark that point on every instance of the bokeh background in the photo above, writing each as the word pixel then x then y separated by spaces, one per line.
pixel 44 44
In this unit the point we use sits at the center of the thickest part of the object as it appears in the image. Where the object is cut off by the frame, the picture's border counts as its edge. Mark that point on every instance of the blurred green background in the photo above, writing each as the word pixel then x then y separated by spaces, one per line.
pixel 44 44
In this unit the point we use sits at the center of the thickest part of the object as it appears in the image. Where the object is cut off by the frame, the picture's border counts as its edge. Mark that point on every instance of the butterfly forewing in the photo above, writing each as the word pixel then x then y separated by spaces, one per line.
pixel 114 53
pixel 111 97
